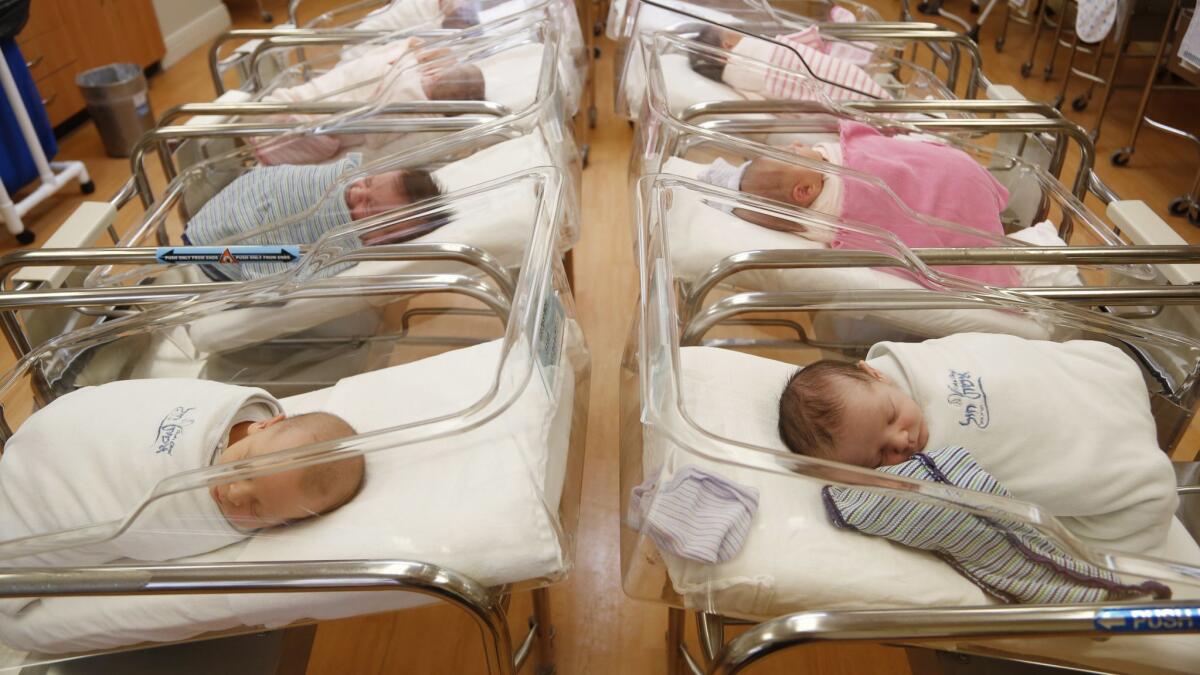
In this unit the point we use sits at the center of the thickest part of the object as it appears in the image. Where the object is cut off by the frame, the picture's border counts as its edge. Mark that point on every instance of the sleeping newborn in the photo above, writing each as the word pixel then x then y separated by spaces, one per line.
pixel 918 178
pixel 299 204
pixel 396 72
pixel 96 456
pixel 838 66
pixel 850 413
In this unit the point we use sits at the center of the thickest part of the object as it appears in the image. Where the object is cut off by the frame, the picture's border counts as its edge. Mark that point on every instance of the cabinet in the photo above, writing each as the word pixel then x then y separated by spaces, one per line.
pixel 66 37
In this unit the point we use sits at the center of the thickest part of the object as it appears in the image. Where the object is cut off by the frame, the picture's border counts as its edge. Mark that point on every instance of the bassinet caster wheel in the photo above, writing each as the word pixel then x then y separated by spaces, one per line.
pixel 1026 68
pixel 1057 103
pixel 1000 43
pixel 1179 205
pixel 1120 157
pixel 88 187
pixel 1080 103
pixel 974 7
pixel 25 237
pixel 974 34
pixel 1048 71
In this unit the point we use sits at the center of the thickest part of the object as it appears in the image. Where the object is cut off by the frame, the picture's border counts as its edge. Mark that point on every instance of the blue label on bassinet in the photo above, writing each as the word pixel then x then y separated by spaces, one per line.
pixel 229 255
pixel 1149 620
pixel 549 340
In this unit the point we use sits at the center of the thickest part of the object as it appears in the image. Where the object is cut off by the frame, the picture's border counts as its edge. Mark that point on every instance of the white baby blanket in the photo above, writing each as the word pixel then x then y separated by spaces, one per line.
pixel 94 456
pixel 1066 425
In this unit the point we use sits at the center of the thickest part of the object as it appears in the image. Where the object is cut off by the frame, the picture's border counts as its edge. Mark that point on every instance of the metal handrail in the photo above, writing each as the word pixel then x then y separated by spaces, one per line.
pixel 1004 255
pixel 918 298
pixel 482 604
pixel 488 108
pixel 928 624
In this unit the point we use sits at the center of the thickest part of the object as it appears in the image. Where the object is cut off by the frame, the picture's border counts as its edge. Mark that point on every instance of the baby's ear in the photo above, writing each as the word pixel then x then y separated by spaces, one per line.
pixel 265 424
pixel 866 368
pixel 800 192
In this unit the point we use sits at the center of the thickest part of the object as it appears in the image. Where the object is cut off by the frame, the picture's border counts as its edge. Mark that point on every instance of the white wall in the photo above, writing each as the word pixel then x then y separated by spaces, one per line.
pixel 189 24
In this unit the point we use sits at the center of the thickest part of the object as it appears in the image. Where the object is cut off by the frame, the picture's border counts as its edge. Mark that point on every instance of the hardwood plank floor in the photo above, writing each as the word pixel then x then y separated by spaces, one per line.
pixel 599 630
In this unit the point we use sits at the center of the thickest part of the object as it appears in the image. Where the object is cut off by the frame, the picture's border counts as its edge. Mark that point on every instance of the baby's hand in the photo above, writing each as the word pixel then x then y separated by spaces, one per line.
pixel 432 55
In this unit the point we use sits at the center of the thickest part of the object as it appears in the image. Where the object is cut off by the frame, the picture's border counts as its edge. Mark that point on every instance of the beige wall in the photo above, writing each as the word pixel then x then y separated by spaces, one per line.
pixel 188 25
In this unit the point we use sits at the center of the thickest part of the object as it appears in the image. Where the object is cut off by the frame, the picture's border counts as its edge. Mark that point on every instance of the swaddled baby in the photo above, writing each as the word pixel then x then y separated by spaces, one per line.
pixel 94 457
pixel 286 204
pixel 1032 413
pixel 400 71
pixel 925 178
pixel 838 65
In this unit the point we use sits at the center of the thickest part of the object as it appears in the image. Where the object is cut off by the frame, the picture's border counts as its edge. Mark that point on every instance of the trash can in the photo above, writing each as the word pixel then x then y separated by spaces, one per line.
pixel 116 100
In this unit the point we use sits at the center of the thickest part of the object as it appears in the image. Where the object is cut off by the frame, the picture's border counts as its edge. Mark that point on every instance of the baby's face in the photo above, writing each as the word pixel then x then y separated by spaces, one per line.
pixel 376 194
pixel 881 425
pixel 270 500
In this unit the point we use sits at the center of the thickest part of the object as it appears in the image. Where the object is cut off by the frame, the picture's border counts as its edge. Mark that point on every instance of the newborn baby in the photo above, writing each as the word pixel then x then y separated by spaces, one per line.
pixel 96 456
pixel 286 496
pixel 850 413
pixel 396 72
pixel 285 204
pixel 836 65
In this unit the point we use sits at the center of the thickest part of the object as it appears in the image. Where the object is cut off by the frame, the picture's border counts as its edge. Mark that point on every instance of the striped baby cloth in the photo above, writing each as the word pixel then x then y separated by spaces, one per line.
pixel 843 80
pixel 1010 561
pixel 695 514
pixel 269 195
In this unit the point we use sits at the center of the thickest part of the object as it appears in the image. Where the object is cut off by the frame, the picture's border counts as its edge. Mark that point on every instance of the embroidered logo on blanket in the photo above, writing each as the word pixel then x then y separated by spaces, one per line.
pixel 966 392
pixel 170 428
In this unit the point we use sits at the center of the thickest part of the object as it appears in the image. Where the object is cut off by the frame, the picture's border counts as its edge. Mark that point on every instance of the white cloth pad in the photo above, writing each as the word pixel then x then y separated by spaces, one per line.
pixel 483 503
pixel 501 229
pixel 701 235
pixel 795 560
pixel 1032 412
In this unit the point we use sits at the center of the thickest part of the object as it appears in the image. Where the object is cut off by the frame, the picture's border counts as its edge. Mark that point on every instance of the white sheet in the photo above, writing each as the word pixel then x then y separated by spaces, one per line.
pixel 676 70
pixel 795 560
pixel 700 235
pixel 476 502
pixel 502 230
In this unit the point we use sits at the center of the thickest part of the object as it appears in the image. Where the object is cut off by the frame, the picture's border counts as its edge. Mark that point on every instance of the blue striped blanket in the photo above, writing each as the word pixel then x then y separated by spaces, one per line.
pixel 269 195
pixel 1010 561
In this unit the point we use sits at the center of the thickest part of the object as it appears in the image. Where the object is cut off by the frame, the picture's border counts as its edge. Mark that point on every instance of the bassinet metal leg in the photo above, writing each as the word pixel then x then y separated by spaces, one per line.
pixel 1027 67
pixel 545 632
pixel 1048 71
pixel 1111 80
pixel 675 623
pixel 1144 103
pixel 1062 93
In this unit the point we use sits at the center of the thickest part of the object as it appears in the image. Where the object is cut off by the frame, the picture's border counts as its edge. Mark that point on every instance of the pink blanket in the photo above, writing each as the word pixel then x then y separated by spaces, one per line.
pixel 933 180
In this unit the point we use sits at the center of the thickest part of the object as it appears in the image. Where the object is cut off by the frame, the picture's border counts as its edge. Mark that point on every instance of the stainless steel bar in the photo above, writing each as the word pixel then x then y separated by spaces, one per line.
pixel 1008 255
pixel 920 625
pixel 307 576
pixel 332 108
pixel 543 627
pixel 214 50
pixel 912 299
pixel 711 632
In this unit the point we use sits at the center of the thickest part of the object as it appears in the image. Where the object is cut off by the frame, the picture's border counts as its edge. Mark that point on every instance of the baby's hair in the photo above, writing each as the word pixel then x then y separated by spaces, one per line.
pixel 463 82
pixel 464 15
pixel 338 481
pixel 810 408
pixel 764 178
pixel 419 185
pixel 703 64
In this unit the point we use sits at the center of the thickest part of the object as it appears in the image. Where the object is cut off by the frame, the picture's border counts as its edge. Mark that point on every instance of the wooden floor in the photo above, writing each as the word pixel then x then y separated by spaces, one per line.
pixel 598 629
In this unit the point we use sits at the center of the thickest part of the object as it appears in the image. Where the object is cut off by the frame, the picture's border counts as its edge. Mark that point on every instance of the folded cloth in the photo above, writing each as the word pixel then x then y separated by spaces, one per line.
pixel 840 79
pixel 931 179
pixel 293 204
pixel 1045 234
pixel 398 15
pixel 1034 411
pixel 723 174
pixel 93 457
pixel 695 515
pixel 1094 19
pixel 1010 561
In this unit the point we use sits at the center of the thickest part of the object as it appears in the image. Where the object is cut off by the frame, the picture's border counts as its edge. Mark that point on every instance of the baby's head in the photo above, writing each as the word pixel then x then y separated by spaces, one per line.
pixel 783 182
pixel 459 14
pixel 278 498
pixel 460 82
pixel 714 36
pixel 382 192
pixel 850 413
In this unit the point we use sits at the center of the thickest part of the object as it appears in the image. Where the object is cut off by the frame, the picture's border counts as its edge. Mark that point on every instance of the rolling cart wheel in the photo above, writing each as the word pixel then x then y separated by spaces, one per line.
pixel 1179 206
pixel 974 34
pixel 88 187
pixel 25 237
pixel 1026 69
pixel 597 29
pixel 974 7
pixel 1000 43
pixel 1048 72
pixel 1121 156
pixel 1058 101
pixel 1079 104
pixel 596 53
